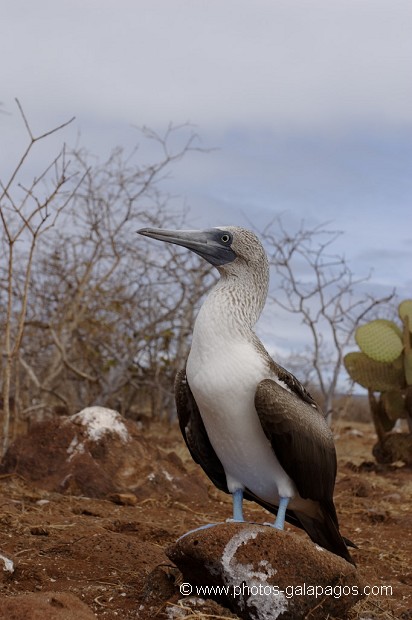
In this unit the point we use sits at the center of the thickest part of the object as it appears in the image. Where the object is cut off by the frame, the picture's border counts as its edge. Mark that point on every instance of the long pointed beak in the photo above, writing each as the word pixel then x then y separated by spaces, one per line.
pixel 206 243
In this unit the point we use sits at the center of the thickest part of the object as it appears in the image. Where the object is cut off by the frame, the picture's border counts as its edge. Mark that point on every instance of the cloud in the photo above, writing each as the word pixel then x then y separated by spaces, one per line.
pixel 215 63
pixel 310 103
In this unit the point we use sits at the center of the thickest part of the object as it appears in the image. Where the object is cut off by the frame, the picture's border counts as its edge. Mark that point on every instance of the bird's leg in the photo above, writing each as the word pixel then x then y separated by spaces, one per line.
pixel 279 524
pixel 237 513
pixel 237 497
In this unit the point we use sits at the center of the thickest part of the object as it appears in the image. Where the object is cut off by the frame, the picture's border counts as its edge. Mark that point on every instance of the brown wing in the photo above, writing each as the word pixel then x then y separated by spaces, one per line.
pixel 299 436
pixel 304 446
pixel 294 385
pixel 194 433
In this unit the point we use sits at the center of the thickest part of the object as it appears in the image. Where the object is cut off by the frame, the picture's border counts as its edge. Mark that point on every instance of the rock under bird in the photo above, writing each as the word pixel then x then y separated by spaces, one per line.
pixel 249 423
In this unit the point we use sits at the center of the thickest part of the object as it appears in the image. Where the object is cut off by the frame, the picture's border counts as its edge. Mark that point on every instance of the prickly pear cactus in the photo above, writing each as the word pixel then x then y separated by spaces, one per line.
pixel 381 340
pixel 376 376
pixel 384 365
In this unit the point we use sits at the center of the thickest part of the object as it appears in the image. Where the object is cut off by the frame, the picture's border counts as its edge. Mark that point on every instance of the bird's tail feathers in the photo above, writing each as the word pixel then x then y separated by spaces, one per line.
pixel 325 532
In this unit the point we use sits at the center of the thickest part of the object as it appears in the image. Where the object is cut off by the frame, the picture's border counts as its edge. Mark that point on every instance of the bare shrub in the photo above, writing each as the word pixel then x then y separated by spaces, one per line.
pixel 108 317
pixel 319 287
pixel 27 212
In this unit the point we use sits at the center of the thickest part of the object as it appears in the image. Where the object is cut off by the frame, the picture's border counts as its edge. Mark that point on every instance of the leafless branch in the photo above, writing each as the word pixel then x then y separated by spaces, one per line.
pixel 319 286
pixel 23 220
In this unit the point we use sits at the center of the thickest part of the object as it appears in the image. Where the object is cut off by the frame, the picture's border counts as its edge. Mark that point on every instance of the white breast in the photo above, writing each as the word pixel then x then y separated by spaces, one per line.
pixel 223 375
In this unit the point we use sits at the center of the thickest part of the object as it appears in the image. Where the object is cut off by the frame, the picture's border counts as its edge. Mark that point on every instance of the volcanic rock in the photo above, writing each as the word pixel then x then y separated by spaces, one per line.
pixel 394 447
pixel 261 573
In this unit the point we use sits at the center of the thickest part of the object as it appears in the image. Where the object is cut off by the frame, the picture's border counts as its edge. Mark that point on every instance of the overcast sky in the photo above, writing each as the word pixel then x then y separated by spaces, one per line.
pixel 309 104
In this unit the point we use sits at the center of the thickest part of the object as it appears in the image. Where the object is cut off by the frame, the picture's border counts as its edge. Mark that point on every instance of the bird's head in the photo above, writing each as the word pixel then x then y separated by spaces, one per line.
pixel 221 246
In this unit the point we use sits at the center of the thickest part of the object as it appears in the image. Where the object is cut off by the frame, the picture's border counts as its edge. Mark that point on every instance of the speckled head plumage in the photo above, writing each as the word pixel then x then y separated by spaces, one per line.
pixel 246 246
pixel 246 278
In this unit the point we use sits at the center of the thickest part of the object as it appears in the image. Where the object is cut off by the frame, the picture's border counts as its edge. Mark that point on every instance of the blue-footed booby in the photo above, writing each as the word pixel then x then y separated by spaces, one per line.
pixel 248 422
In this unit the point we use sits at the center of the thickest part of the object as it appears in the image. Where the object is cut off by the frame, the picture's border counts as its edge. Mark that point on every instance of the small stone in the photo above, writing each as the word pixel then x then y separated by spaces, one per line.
pixel 392 498
pixel 159 586
pixel 376 516
pixel 123 499
pixel 7 563
pixel 39 530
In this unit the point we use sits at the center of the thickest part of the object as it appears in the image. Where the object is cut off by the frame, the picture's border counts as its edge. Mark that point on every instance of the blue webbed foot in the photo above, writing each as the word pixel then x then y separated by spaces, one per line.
pixel 237 514
pixel 197 529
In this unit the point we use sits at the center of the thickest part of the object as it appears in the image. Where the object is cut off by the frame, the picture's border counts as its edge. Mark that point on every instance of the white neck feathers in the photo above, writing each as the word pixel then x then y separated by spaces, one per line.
pixel 235 303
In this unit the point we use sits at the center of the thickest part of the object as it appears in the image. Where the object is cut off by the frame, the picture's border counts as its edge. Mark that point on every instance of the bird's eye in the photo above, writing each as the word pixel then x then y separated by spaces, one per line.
pixel 225 238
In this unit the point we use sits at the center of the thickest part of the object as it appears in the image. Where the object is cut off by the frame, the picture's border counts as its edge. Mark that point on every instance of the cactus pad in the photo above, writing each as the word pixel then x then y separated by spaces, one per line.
pixel 405 309
pixel 380 340
pixel 377 376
